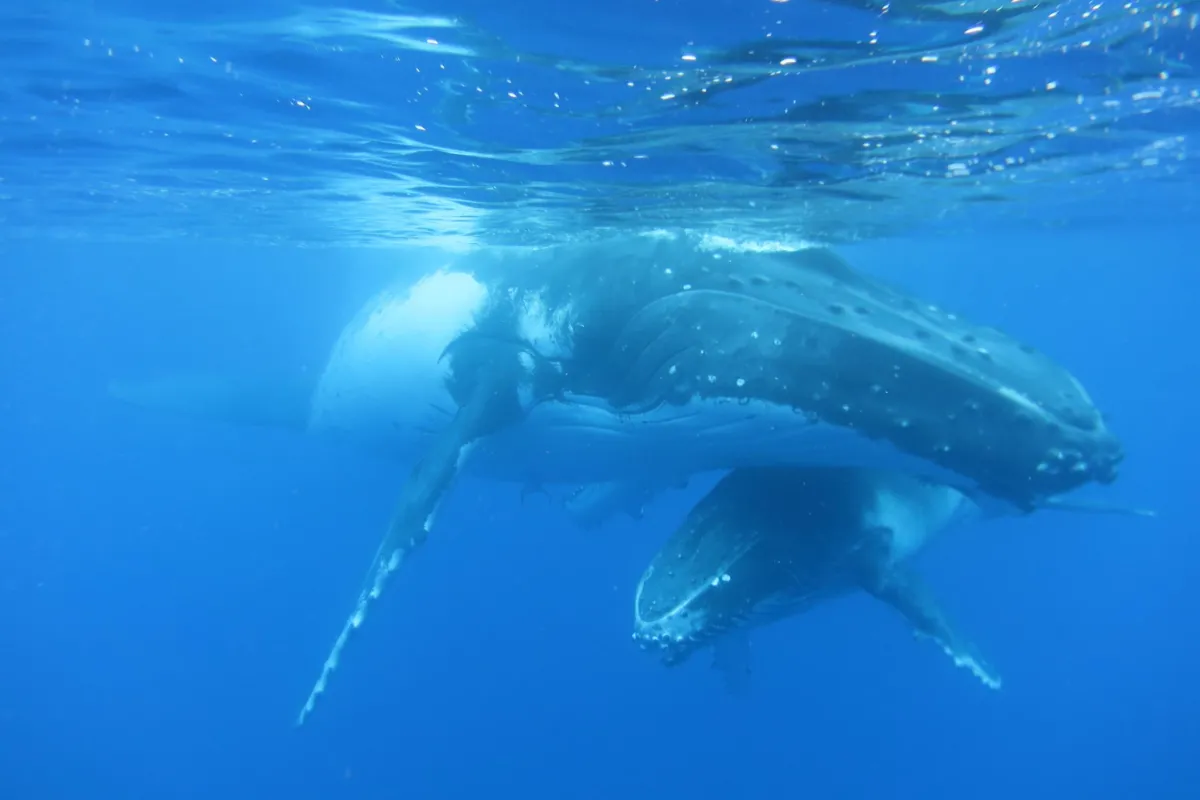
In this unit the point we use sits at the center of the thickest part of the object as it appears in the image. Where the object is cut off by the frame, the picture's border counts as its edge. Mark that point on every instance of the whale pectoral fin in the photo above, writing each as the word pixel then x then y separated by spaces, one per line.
pixel 905 591
pixel 278 403
pixel 420 497
pixel 1093 507
pixel 592 504
pixel 732 658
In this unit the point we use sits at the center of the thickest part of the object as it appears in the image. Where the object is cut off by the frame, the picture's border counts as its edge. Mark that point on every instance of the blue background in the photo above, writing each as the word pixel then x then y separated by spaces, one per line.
pixel 167 587
pixel 190 186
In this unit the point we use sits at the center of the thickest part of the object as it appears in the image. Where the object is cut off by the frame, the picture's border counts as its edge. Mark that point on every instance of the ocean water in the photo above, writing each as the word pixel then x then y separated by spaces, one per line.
pixel 222 186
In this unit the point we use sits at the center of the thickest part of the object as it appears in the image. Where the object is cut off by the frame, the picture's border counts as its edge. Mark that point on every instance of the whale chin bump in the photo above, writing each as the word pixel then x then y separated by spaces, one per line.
pixel 671 646
pixel 709 578
pixel 666 626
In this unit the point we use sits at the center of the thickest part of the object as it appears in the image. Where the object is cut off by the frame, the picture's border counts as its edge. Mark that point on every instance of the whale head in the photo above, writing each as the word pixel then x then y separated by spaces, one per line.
pixel 767 543
pixel 733 564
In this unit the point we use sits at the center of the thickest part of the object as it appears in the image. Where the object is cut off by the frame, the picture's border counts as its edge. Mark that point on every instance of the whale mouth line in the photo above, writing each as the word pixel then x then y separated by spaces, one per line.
pixel 693 620
pixel 674 646
pixel 656 633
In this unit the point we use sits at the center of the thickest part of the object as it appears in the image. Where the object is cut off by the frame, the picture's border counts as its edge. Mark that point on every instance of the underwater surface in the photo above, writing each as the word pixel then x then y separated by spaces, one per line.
pixel 221 188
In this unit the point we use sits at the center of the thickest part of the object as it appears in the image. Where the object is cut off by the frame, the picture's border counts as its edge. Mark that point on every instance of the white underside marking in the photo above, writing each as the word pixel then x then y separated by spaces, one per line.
pixel 383 380
pixel 547 330
pixel 915 512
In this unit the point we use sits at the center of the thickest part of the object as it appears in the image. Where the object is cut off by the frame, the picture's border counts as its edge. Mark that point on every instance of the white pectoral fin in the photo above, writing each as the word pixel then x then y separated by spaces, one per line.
pixel 419 498
pixel 424 490
pixel 1094 507
pixel 903 590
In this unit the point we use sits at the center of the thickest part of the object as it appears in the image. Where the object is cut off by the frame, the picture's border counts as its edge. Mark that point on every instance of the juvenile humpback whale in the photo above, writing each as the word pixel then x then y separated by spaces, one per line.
pixel 642 360
pixel 768 543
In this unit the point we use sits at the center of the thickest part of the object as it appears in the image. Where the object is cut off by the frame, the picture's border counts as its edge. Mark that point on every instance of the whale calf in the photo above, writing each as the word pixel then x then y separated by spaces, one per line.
pixel 769 543
pixel 633 362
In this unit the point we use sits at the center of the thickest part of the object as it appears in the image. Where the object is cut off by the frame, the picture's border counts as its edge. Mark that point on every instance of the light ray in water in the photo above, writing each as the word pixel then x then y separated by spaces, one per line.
pixel 336 123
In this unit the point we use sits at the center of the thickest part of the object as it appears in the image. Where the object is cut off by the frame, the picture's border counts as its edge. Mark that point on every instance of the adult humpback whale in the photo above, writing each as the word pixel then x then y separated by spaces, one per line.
pixel 768 543
pixel 644 359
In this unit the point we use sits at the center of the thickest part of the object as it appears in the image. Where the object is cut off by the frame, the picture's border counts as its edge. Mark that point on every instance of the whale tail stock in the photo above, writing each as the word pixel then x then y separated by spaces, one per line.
pixel 268 402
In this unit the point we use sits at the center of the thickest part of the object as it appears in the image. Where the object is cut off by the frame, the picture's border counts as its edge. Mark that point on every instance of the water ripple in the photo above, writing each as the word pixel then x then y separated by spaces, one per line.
pixel 828 120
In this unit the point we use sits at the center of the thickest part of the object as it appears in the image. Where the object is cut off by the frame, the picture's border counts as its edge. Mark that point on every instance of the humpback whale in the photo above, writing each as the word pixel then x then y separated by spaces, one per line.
pixel 768 543
pixel 640 360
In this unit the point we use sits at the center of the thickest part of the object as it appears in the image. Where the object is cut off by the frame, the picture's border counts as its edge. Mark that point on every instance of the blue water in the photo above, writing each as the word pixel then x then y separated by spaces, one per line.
pixel 168 587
